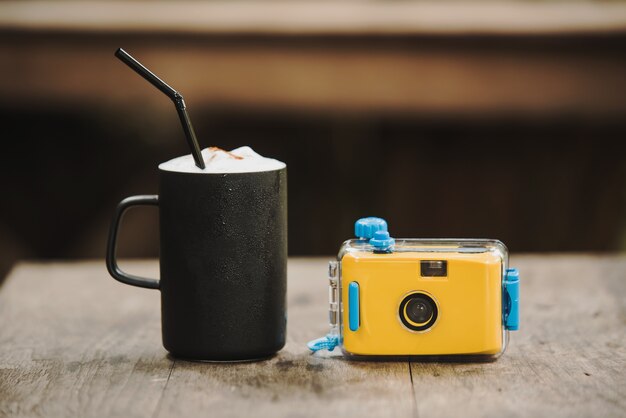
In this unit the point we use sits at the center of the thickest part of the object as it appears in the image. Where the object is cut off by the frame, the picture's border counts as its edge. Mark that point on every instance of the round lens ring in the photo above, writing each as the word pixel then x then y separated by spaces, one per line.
pixel 418 311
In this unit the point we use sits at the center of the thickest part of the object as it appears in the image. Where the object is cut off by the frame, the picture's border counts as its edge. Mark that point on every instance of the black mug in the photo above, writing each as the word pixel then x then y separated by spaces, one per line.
pixel 223 262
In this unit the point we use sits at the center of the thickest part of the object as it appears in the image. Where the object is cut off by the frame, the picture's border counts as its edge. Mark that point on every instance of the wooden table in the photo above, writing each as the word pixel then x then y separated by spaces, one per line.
pixel 73 342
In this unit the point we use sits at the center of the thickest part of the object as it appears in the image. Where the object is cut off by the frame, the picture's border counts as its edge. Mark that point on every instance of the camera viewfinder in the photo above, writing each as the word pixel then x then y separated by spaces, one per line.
pixel 434 268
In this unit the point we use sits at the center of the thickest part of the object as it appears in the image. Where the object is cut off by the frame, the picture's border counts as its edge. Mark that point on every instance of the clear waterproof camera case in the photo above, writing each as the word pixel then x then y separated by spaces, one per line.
pixel 420 297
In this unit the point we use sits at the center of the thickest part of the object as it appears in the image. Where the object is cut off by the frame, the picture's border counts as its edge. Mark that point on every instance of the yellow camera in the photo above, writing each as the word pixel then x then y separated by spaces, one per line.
pixel 431 297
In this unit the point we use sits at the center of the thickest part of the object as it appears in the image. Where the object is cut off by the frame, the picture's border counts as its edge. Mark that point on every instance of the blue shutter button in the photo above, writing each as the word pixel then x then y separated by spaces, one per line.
pixel 365 228
pixel 382 241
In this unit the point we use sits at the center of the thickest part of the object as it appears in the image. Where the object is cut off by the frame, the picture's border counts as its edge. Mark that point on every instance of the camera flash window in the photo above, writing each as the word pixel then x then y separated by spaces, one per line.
pixel 434 268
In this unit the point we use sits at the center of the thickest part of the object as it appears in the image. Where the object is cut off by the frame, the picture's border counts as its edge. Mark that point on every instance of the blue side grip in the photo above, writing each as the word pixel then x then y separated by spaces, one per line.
pixel 353 306
pixel 510 300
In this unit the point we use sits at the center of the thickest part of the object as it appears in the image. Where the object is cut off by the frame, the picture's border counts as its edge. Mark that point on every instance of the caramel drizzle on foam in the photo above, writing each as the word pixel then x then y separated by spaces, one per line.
pixel 230 154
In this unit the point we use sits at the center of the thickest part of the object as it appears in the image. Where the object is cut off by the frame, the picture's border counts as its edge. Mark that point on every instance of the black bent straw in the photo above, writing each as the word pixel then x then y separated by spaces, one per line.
pixel 176 97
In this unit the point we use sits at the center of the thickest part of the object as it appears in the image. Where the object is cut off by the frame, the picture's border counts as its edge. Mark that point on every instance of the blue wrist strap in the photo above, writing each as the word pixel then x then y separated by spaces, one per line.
pixel 329 342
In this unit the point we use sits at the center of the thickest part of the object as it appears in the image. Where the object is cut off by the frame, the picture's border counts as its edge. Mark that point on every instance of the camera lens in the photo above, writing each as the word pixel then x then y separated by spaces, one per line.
pixel 418 312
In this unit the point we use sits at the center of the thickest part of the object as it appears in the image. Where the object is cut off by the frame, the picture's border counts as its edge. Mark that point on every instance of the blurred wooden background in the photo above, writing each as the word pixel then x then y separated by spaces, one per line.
pixel 469 119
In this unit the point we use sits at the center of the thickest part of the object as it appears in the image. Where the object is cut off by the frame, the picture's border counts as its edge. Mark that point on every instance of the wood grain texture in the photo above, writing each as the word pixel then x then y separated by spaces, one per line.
pixel 568 359
pixel 73 342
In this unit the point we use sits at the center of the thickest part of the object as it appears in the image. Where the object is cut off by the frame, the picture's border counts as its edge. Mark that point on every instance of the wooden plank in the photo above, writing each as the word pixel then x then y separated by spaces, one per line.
pixel 389 78
pixel 568 359
pixel 294 383
pixel 315 17
pixel 74 342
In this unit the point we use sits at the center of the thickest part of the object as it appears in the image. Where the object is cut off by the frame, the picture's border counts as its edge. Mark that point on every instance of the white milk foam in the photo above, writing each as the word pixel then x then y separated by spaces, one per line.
pixel 217 161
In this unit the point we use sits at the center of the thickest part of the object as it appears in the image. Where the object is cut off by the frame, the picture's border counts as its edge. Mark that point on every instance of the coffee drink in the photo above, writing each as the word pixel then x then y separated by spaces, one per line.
pixel 217 160
pixel 223 255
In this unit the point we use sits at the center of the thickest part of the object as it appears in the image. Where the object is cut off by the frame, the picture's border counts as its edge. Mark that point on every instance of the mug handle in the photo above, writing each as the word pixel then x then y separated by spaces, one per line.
pixel 111 260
